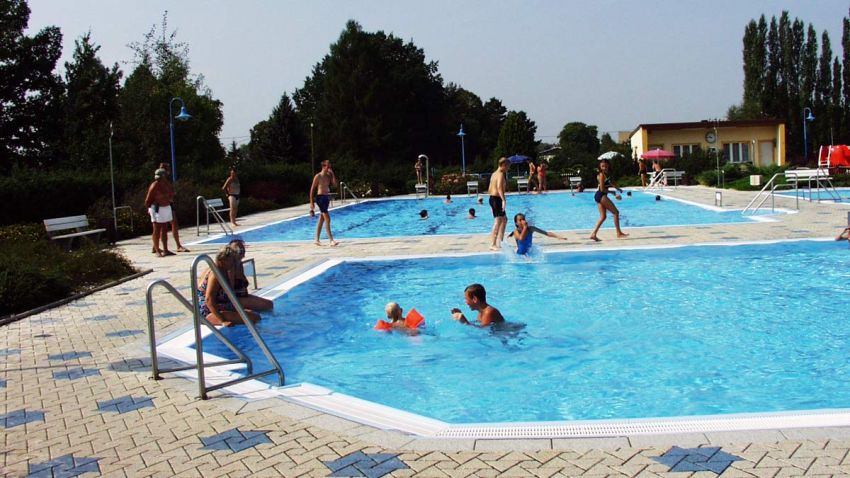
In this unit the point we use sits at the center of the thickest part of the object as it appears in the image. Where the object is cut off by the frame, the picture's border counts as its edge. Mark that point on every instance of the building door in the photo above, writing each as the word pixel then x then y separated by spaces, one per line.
pixel 766 153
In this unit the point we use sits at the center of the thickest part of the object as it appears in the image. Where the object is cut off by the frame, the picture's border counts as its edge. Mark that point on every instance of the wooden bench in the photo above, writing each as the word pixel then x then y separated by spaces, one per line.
pixel 80 225
pixel 522 183
pixel 471 187
pixel 797 175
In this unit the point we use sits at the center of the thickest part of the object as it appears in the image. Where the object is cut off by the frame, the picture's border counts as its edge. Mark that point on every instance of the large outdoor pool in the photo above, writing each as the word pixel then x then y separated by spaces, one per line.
pixel 691 330
pixel 554 211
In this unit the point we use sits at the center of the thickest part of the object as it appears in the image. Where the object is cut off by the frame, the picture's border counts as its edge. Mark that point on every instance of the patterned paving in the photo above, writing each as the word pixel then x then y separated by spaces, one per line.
pixel 78 400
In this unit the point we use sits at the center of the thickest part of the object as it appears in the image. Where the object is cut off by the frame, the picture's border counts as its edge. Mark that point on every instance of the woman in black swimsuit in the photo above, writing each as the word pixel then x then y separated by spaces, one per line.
pixel 603 202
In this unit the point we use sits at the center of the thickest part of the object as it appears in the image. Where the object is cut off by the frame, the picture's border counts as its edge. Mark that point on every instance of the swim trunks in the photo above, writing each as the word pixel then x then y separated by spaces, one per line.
pixel 496 206
pixel 235 196
pixel 323 201
pixel 161 214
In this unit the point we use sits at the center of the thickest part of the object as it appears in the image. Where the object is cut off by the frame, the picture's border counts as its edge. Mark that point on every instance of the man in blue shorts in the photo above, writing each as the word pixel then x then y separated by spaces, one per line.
pixel 322 187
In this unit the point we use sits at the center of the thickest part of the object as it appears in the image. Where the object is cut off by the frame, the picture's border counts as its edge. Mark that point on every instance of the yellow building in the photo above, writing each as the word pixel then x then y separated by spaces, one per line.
pixel 760 142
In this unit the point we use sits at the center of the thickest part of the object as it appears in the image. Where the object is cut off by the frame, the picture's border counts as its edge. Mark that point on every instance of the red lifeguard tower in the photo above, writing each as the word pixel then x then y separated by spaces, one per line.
pixel 834 158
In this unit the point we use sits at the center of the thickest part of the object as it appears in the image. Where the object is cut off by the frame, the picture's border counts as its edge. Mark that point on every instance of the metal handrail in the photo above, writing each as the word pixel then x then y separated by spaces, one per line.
pixel 155 370
pixel 228 291
pixel 220 220
pixel 344 187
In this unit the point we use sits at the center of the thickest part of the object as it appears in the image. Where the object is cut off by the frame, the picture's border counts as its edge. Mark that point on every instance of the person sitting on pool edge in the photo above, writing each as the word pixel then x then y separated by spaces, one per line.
pixel 476 298
pixel 524 233
pixel 423 214
pixel 239 281
pixel 471 213
pixel 845 234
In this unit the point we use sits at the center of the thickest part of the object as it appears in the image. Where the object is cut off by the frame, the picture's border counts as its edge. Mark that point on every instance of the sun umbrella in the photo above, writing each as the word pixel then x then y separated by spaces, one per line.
pixel 658 154
pixel 609 155
pixel 518 158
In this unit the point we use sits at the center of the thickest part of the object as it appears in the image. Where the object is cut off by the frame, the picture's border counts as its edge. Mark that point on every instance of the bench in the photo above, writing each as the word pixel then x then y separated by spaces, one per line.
pixel 522 183
pixel 471 187
pixel 80 225
pixel 676 176
pixel 796 175
pixel 575 181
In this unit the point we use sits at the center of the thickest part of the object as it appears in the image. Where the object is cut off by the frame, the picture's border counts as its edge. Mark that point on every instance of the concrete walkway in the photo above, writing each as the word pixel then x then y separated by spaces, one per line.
pixel 77 398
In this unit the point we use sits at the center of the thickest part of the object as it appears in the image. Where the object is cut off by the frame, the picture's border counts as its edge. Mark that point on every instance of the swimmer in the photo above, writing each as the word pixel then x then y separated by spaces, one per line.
pixel 471 213
pixel 480 200
pixel 657 197
pixel 845 234
pixel 448 198
pixel 397 320
pixel 476 298
pixel 423 214
pixel 629 193
pixel 603 202
pixel 524 233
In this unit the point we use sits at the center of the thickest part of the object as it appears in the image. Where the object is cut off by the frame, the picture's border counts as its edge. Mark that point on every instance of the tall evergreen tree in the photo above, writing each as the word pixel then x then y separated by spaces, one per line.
pixel 836 115
pixel 281 138
pixel 517 136
pixel 91 105
pixel 823 97
pixel 755 57
pixel 809 68
pixel 770 101
pixel 845 75
pixel 30 92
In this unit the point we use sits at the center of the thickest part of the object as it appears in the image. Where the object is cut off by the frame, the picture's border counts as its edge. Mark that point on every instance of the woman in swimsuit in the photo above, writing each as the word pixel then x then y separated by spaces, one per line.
pixel 524 233
pixel 213 303
pixel 603 202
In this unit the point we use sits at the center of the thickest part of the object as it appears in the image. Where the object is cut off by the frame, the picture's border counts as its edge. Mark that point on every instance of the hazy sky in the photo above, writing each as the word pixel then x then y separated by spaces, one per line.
pixel 611 63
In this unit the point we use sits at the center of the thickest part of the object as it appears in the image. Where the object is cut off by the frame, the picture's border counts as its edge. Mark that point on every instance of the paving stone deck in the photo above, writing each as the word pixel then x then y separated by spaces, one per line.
pixel 77 398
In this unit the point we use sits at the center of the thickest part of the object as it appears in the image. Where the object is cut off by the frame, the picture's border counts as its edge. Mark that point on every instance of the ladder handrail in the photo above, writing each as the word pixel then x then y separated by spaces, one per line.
pixel 344 187
pixel 220 220
pixel 155 370
pixel 234 301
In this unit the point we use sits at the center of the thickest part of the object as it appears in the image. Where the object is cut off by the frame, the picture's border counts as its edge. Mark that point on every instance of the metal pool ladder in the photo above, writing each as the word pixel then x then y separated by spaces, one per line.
pixel 342 189
pixel 203 388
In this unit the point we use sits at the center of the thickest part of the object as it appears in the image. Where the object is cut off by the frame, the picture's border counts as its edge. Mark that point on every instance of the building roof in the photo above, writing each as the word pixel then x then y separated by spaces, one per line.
pixel 705 124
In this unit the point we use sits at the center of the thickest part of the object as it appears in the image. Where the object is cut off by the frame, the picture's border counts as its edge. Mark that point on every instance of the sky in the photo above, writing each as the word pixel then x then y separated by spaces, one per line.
pixel 610 63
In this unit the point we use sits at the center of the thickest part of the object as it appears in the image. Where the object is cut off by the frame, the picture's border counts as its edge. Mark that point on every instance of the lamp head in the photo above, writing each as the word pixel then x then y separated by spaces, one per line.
pixel 183 116
pixel 810 116
pixel 461 133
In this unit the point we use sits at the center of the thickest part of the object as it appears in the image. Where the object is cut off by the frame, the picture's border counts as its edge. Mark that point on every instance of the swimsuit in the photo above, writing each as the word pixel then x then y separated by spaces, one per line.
pixel 524 245
pixel 221 299
pixel 599 194
pixel 323 200
pixel 496 206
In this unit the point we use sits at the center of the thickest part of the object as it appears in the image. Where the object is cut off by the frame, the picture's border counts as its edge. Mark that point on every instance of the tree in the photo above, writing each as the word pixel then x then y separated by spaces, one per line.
pixel 823 94
pixel 281 137
pixel 516 136
pixel 376 99
pixel 579 149
pixel 755 57
pixel 91 105
pixel 161 74
pixel 30 92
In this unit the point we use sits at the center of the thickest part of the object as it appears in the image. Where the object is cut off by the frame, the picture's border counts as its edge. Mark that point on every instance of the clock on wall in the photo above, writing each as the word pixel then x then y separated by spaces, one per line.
pixel 710 137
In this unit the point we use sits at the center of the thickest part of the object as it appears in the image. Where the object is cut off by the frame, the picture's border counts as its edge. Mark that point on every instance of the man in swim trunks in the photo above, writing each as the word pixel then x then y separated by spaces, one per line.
pixel 476 298
pixel 322 187
pixel 158 201
pixel 498 203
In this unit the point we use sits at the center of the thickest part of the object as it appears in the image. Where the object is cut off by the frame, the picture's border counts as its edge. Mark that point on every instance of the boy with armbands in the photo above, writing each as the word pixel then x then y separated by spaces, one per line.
pixel 407 324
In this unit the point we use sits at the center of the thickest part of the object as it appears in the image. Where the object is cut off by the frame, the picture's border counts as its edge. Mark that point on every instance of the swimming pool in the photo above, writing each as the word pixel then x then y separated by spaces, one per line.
pixel 554 211
pixel 841 194
pixel 683 331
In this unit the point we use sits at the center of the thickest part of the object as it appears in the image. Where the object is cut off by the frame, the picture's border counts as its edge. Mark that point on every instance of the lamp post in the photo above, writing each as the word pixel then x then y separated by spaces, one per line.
pixel 112 180
pixel 183 116
pixel 312 150
pixel 462 150
pixel 806 118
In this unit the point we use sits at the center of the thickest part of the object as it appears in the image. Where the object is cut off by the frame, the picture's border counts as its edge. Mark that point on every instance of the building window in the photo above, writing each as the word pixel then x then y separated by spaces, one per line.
pixel 685 149
pixel 737 152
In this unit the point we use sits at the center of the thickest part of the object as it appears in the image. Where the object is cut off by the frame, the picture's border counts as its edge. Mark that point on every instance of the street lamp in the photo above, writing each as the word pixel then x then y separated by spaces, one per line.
pixel 183 116
pixel 112 180
pixel 462 150
pixel 806 118
pixel 312 151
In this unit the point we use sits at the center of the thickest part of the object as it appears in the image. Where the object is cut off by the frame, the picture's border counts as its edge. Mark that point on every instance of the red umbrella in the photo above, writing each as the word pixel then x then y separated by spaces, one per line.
pixel 658 154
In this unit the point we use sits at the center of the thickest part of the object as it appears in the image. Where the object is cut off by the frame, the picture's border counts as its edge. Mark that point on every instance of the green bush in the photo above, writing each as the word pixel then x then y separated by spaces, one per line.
pixel 38 272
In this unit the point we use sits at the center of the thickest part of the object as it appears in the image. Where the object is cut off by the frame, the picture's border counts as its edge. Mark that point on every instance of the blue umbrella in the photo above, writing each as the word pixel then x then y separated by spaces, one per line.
pixel 518 158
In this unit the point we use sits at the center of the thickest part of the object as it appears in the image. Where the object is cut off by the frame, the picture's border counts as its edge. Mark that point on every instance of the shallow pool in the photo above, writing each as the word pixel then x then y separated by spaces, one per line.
pixel 554 211
pixel 613 334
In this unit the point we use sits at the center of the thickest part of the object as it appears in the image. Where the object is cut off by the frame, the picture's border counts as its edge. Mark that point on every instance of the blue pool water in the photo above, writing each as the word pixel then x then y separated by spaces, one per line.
pixel 555 211
pixel 843 194
pixel 614 334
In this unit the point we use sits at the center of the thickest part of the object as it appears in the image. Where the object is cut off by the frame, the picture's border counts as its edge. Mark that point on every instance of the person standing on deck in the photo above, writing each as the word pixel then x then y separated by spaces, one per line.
pixel 498 203
pixel 320 194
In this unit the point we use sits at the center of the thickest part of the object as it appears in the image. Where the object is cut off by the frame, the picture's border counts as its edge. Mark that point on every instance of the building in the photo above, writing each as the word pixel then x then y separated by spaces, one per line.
pixel 760 142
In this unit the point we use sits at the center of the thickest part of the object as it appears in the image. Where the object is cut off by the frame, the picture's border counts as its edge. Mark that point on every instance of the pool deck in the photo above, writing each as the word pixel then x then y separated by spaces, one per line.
pixel 78 398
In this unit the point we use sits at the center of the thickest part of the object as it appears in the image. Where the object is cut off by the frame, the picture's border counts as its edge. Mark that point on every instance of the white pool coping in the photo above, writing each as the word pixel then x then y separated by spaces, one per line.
pixel 179 348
